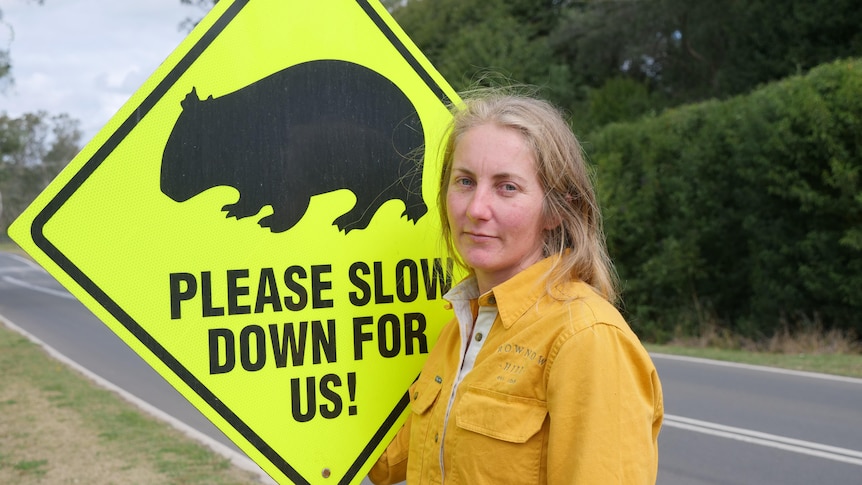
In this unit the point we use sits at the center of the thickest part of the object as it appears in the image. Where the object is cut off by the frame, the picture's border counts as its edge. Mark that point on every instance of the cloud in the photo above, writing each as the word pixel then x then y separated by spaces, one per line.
pixel 86 57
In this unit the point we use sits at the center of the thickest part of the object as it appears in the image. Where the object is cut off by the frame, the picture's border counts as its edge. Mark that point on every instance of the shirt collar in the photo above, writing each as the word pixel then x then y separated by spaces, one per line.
pixel 513 297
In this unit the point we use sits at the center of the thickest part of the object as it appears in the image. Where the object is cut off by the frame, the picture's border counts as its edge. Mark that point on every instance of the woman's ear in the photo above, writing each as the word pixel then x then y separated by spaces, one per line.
pixel 552 222
pixel 552 216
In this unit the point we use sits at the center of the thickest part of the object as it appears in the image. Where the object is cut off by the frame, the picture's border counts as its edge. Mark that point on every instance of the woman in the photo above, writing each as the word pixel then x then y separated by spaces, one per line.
pixel 537 379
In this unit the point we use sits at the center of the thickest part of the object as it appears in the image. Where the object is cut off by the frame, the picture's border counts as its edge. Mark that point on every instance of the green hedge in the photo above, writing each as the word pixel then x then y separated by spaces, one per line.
pixel 745 213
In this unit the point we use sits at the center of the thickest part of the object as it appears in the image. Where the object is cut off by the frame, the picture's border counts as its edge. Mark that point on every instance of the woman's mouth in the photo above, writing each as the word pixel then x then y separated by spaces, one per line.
pixel 478 237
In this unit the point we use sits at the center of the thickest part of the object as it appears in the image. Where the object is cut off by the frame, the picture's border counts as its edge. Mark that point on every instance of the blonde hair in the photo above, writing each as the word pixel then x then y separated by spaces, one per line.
pixel 578 239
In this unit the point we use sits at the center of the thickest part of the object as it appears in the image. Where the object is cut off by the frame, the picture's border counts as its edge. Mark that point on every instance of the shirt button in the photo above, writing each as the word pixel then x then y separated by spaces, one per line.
pixel 492 300
pixel 479 337
pixel 415 395
pixel 436 436
pixel 438 379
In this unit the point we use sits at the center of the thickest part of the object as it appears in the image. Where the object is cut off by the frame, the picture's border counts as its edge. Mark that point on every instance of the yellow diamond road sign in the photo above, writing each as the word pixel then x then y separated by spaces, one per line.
pixel 258 222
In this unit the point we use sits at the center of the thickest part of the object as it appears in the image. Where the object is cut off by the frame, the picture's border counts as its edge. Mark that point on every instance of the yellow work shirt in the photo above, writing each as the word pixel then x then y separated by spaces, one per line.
pixel 560 392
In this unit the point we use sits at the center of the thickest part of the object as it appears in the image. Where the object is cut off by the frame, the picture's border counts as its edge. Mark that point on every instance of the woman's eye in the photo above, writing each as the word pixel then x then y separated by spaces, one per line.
pixel 509 187
pixel 463 181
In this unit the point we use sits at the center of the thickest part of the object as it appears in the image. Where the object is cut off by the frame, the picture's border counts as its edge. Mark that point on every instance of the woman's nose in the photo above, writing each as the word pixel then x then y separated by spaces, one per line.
pixel 479 207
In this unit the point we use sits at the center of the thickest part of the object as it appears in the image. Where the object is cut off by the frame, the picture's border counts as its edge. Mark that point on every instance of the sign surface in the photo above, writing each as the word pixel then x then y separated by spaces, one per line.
pixel 259 223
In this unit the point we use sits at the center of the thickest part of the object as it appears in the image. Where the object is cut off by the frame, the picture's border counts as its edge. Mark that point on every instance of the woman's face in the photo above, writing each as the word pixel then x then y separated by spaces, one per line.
pixel 494 204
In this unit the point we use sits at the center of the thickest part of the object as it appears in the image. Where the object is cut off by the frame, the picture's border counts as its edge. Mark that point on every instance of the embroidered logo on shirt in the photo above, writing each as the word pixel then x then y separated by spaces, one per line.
pixel 517 362
pixel 526 352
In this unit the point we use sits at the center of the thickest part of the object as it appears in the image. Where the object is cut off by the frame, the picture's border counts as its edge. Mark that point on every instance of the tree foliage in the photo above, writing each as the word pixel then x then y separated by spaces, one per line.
pixel 583 54
pixel 465 40
pixel 33 149
pixel 744 213
pixel 722 206
pixel 678 51
pixel 7 35
pixel 203 5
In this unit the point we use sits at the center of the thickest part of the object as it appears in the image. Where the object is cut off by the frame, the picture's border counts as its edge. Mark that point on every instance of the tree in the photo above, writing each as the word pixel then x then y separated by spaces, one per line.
pixel 33 149
pixel 743 213
pixel 677 51
pixel 5 59
pixel 204 5
pixel 691 51
pixel 466 40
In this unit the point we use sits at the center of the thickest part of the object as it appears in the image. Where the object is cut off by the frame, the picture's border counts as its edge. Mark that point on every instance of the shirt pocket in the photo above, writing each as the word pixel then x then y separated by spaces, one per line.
pixel 423 454
pixel 501 416
pixel 499 438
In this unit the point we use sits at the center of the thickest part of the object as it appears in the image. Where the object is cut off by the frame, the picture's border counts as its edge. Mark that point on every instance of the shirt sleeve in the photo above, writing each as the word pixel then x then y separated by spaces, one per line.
pixel 605 406
pixel 391 467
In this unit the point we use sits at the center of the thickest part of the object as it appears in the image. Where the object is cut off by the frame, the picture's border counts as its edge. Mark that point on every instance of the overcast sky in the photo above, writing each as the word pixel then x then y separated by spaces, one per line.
pixel 85 57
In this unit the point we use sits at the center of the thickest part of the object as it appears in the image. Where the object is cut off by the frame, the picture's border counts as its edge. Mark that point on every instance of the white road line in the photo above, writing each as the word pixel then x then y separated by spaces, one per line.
pixel 30 266
pixel 24 260
pixel 764 439
pixel 29 286
pixel 762 368
pixel 16 269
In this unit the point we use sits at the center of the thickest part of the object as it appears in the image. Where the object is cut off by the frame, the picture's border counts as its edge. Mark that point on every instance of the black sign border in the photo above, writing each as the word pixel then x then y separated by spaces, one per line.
pixel 65 193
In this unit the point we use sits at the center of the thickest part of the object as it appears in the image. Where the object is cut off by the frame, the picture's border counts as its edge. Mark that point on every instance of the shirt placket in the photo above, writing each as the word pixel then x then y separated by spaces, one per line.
pixel 474 342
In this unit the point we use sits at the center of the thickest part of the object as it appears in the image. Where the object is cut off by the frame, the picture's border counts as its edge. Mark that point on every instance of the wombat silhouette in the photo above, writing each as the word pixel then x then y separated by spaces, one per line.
pixel 309 129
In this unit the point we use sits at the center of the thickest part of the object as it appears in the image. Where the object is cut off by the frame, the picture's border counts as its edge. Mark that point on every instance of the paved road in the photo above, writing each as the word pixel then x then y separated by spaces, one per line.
pixel 726 424
pixel 735 424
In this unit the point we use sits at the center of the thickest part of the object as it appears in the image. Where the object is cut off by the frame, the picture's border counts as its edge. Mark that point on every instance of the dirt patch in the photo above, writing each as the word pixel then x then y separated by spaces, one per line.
pixel 43 443
pixel 57 427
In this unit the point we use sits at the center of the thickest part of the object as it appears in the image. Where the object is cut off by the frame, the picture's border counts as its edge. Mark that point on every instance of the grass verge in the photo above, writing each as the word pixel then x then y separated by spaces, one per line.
pixel 58 427
pixel 842 364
